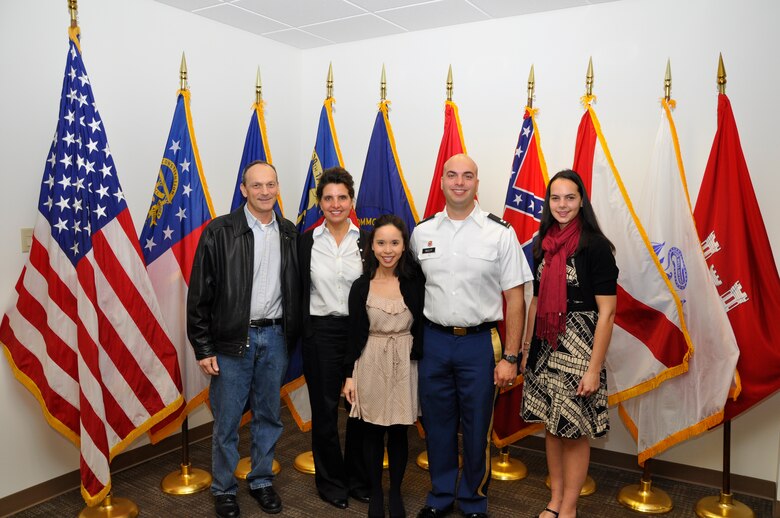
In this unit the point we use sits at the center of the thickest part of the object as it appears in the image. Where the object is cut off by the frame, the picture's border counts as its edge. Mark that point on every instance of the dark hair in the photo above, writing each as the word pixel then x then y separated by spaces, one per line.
pixel 336 175
pixel 406 265
pixel 590 224
pixel 254 163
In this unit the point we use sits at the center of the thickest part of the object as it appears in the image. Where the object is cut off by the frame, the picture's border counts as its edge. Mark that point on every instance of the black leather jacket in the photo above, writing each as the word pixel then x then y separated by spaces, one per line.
pixel 221 286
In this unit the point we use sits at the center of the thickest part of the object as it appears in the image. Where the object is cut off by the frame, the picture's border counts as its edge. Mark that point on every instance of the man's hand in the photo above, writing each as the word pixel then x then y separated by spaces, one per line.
pixel 209 366
pixel 505 373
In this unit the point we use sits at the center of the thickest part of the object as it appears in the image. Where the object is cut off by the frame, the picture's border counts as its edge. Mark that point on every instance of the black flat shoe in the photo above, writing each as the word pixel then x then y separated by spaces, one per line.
pixel 363 498
pixel 548 510
pixel 268 499
pixel 226 506
pixel 476 515
pixel 338 503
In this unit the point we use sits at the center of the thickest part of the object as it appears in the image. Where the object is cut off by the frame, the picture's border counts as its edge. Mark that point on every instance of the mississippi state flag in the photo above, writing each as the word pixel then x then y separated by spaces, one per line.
pixel 522 209
pixel 650 342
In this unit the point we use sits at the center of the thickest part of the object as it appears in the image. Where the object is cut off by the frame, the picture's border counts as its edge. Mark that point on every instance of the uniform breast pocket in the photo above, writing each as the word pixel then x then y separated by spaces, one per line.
pixel 483 261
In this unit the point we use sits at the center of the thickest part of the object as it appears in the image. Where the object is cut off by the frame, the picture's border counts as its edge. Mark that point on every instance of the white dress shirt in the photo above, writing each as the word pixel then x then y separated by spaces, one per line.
pixel 267 268
pixel 333 270
pixel 467 266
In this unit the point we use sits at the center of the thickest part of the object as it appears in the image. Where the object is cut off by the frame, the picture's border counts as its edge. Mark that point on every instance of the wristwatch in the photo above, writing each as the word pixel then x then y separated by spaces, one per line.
pixel 511 358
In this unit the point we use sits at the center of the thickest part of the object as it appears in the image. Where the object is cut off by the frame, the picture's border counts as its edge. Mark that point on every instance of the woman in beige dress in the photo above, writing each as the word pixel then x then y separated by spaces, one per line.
pixel 385 315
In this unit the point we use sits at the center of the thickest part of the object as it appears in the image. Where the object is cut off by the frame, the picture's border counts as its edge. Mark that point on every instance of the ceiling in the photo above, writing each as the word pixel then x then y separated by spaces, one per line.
pixel 315 23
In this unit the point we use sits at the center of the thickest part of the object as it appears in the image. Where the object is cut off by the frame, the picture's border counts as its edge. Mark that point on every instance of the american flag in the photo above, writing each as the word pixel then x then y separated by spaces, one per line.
pixel 179 212
pixel 83 330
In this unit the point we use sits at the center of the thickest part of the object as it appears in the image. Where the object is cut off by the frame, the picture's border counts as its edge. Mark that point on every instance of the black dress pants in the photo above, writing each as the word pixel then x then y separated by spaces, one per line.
pixel 336 474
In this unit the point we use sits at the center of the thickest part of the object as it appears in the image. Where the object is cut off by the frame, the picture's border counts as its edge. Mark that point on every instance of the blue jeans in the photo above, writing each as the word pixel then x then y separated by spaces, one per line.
pixel 256 377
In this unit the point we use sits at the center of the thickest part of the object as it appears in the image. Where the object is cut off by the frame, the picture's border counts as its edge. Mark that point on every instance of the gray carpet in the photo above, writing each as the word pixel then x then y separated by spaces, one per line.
pixel 524 498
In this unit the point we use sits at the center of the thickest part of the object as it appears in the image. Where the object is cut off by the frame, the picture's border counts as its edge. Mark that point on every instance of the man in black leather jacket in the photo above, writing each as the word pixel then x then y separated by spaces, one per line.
pixel 243 319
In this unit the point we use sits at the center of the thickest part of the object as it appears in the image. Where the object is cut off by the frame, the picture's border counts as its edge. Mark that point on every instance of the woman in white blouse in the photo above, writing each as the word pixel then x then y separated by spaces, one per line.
pixel 330 256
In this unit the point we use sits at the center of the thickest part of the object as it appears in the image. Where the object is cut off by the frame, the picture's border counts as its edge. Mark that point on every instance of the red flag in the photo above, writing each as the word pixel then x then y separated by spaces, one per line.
pixel 83 331
pixel 737 249
pixel 451 144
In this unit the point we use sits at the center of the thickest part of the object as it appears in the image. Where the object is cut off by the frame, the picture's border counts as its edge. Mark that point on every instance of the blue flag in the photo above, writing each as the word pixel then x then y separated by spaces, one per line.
pixel 383 189
pixel 326 154
pixel 255 148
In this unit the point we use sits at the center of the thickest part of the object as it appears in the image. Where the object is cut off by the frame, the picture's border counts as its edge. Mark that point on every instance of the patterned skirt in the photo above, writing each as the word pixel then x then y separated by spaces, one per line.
pixel 551 381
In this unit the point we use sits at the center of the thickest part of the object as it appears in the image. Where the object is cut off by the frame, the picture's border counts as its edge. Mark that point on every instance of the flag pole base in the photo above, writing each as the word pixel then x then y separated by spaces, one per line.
pixel 305 463
pixel 245 466
pixel 186 481
pixel 722 506
pixel 504 467
pixel 111 508
pixel 422 460
pixel 588 488
pixel 643 498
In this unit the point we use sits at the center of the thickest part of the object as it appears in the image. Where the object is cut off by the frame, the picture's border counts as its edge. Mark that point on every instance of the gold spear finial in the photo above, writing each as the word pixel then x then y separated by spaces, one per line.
pixel 721 75
pixel 329 82
pixel 449 84
pixel 258 87
pixel 589 78
pixel 531 84
pixel 183 72
pixel 383 85
pixel 668 81
pixel 73 7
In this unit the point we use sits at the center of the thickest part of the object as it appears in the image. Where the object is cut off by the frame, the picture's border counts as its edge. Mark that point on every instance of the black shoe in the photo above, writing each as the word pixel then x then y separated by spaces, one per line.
pixel 338 503
pixel 359 496
pixel 432 512
pixel 226 506
pixel 268 499
pixel 476 515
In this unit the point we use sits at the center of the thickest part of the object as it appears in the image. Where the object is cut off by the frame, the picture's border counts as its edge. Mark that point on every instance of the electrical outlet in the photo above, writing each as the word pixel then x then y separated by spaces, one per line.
pixel 27 234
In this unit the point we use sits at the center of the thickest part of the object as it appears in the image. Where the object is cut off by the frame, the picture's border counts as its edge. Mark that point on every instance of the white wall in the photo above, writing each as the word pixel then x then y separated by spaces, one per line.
pixel 132 52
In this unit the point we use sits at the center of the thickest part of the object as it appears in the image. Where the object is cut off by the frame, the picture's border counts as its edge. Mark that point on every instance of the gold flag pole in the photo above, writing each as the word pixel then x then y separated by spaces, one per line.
pixel 589 487
pixel 449 84
pixel 329 82
pixel 502 466
pixel 187 480
pixel 723 505
pixel 244 466
pixel 258 87
pixel 110 507
pixel 304 462
pixel 383 85
pixel 643 497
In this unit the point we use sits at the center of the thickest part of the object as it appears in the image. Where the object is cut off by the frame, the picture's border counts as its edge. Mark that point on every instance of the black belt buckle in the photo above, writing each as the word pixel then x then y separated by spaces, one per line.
pixel 265 322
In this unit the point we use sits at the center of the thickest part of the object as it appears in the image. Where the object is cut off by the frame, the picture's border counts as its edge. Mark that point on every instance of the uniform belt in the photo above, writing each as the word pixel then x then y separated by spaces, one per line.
pixel 462 331
pixel 265 322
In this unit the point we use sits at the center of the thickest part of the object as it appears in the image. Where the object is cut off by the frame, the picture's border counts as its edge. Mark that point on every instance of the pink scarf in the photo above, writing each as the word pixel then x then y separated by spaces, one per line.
pixel 557 245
